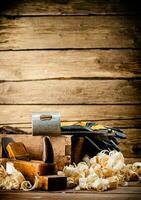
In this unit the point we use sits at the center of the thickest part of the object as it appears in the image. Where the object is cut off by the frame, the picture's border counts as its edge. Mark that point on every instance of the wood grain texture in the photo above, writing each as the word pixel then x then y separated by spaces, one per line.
pixel 126 116
pixel 126 193
pixel 66 7
pixel 133 139
pixel 71 92
pixel 70 32
pixel 37 65
pixel 57 69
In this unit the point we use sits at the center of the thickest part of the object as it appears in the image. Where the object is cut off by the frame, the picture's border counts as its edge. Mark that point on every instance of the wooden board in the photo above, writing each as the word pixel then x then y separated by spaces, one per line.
pixel 122 193
pixel 132 143
pixel 37 65
pixel 125 116
pixel 69 32
pixel 71 92
pixel 66 7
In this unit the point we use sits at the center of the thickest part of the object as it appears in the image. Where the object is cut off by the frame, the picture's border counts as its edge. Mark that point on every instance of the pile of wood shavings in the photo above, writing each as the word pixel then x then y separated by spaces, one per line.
pixel 106 170
pixel 10 178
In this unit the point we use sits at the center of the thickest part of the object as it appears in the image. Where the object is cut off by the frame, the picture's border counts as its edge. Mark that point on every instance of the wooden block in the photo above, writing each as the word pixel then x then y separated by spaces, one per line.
pixel 35 148
pixel 126 93
pixel 17 150
pixel 66 7
pixel 59 32
pixel 77 147
pixel 32 168
pixel 52 182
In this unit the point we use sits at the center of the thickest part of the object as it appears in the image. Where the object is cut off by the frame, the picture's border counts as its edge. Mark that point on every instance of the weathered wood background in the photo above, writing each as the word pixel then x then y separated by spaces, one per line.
pixel 79 57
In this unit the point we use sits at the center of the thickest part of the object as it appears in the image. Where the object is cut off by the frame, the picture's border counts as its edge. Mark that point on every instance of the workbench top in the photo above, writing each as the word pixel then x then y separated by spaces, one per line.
pixel 131 192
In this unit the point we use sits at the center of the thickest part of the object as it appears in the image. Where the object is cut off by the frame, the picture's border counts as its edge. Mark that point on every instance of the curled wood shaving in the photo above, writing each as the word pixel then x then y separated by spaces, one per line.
pixel 26 185
pixel 10 178
pixel 106 170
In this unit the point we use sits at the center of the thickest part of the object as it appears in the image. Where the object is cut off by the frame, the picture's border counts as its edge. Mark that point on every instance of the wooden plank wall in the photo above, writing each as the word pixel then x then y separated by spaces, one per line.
pixel 81 58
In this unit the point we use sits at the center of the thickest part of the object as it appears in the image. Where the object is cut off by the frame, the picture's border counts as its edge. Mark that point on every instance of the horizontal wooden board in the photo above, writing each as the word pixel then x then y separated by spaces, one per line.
pixel 71 92
pixel 132 188
pixel 36 65
pixel 121 193
pixel 126 194
pixel 133 140
pixel 70 32
pixel 113 115
pixel 118 194
pixel 66 7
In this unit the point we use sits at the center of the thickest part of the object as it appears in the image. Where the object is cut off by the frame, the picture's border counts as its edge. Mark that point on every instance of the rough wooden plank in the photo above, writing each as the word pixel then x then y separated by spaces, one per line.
pixel 133 188
pixel 70 32
pixel 66 7
pixel 71 92
pixel 133 140
pixel 112 115
pixel 36 65
pixel 76 196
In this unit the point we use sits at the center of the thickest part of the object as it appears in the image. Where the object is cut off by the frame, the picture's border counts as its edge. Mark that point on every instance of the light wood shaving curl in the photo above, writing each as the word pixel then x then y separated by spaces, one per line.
pixel 10 179
pixel 106 170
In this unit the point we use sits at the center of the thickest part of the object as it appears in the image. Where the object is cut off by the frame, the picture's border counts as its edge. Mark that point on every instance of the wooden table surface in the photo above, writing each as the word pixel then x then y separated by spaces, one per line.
pixel 131 193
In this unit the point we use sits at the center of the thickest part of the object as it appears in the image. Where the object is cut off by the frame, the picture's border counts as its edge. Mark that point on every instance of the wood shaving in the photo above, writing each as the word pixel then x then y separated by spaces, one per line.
pixel 10 179
pixel 26 185
pixel 106 170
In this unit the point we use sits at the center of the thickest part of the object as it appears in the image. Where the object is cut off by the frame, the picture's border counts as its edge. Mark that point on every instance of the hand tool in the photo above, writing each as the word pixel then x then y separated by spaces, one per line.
pixel 45 170
pixel 17 150
pixel 14 150
pixel 30 169
pixel 48 154
pixel 33 167
pixel 11 130
pixel 96 137
pixel 52 182
pixel 5 141
pixel 48 124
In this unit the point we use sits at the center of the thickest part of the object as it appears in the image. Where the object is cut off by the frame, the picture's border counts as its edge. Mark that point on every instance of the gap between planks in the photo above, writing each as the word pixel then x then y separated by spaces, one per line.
pixel 76 7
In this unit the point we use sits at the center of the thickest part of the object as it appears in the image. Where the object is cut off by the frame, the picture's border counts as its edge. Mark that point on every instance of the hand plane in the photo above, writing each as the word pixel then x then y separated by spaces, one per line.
pixel 18 154
pixel 45 170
